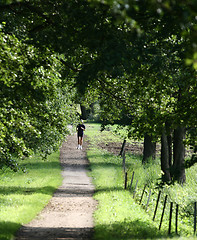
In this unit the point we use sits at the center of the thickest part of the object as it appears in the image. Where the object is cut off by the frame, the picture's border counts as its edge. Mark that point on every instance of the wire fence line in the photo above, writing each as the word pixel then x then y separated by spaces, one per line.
pixel 163 202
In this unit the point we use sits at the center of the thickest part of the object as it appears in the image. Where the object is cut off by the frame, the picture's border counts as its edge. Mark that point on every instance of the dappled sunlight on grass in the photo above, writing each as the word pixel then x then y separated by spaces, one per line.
pixel 24 194
pixel 119 215
pixel 126 230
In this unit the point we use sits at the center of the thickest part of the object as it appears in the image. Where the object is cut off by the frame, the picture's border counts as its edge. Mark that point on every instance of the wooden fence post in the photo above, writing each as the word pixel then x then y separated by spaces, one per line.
pixel 122 148
pixel 156 205
pixel 164 206
pixel 132 180
pixel 176 221
pixel 125 181
pixel 148 200
pixel 123 162
pixel 170 218
pixel 143 193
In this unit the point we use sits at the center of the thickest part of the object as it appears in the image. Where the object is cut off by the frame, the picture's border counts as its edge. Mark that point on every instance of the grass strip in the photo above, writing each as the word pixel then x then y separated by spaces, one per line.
pixel 118 216
pixel 24 195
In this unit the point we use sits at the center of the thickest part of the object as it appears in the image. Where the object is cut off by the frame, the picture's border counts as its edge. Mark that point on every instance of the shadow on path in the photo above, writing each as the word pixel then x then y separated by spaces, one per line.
pixel 30 233
pixel 69 213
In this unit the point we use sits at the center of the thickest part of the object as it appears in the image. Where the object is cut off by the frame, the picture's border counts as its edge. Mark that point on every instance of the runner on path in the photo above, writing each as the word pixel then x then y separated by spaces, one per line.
pixel 80 129
pixel 69 213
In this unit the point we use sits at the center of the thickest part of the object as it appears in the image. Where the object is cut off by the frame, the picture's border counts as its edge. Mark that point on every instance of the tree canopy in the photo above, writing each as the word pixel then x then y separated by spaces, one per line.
pixel 138 58
pixel 35 104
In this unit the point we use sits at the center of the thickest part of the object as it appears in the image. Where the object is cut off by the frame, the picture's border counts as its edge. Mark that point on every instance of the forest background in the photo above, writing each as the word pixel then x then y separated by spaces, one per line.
pixel 136 59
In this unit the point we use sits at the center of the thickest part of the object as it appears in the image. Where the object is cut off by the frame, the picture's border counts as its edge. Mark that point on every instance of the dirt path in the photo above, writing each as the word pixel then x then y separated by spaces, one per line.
pixel 69 213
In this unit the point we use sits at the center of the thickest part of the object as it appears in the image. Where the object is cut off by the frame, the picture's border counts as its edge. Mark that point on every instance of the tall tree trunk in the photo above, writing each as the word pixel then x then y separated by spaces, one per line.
pixel 168 132
pixel 165 155
pixel 169 139
pixel 149 148
pixel 83 112
pixel 179 155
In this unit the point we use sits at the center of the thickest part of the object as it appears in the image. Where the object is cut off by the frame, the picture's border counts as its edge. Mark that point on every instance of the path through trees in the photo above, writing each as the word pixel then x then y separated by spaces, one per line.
pixel 69 213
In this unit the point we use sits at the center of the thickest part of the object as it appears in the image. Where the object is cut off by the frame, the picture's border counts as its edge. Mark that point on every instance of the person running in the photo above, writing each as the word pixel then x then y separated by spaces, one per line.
pixel 80 129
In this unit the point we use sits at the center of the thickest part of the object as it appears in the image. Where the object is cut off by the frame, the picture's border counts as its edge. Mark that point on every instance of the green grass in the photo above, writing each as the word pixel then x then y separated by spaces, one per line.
pixel 119 216
pixel 23 195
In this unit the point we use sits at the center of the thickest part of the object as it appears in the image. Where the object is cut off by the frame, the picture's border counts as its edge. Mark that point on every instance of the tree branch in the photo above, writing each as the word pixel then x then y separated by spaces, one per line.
pixel 17 7
pixel 69 66
pixel 111 94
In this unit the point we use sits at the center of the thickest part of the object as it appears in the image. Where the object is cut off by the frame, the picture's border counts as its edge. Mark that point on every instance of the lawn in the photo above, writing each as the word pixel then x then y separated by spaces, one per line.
pixel 24 194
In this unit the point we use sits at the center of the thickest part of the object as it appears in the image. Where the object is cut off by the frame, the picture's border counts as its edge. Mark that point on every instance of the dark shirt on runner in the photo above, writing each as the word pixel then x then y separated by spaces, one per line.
pixel 80 130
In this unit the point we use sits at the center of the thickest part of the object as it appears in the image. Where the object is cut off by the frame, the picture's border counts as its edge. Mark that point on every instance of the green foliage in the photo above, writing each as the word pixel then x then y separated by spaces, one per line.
pixel 23 195
pixel 35 104
pixel 130 56
pixel 94 115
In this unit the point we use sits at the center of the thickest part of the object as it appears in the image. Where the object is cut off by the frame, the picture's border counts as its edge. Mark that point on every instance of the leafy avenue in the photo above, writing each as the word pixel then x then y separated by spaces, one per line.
pixel 137 59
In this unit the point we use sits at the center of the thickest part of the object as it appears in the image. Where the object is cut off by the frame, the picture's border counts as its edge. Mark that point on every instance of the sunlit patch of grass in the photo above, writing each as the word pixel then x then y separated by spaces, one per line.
pixel 23 195
pixel 119 216
pixel 106 136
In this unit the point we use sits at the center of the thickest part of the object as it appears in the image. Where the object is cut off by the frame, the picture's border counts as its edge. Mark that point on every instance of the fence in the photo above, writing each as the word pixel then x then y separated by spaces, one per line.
pixel 133 186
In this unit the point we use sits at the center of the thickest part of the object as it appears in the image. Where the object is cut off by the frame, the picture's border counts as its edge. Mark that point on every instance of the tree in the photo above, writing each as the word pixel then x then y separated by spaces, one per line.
pixel 35 105
pixel 158 76
pixel 134 53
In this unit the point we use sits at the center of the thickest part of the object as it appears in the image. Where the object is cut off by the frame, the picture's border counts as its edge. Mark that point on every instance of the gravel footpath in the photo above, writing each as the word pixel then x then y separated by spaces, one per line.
pixel 69 213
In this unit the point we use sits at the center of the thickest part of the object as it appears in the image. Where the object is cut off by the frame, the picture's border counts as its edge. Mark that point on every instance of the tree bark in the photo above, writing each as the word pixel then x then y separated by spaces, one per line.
pixel 179 155
pixel 149 148
pixel 168 132
pixel 83 112
pixel 169 139
pixel 165 157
